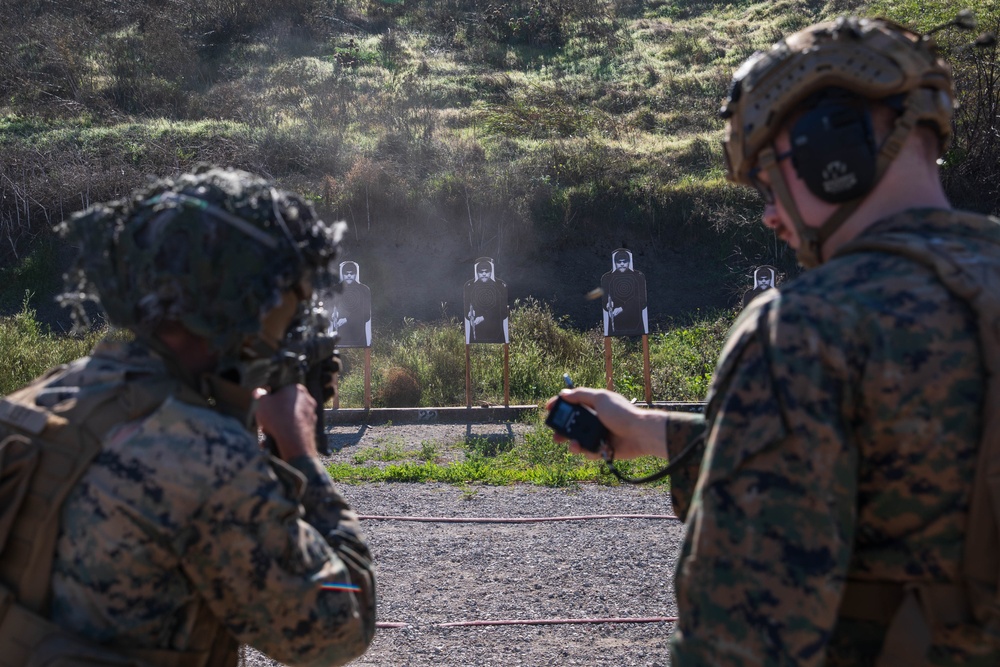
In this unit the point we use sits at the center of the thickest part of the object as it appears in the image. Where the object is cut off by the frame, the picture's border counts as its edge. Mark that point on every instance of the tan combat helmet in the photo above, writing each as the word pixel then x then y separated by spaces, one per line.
pixel 871 59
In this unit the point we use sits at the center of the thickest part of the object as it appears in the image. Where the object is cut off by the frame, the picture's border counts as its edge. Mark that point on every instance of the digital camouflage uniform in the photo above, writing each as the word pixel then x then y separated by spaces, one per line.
pixel 182 509
pixel 842 430
pixel 180 535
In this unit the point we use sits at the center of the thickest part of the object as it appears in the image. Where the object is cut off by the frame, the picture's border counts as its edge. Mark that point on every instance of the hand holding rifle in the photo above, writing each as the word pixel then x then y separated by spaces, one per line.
pixel 308 362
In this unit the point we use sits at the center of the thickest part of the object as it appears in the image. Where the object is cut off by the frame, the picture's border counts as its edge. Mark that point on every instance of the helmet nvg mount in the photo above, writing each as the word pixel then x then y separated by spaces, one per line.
pixel 215 251
pixel 831 71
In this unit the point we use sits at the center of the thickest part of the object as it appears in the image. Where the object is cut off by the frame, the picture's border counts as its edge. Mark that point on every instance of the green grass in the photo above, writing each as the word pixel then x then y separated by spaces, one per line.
pixel 534 459
pixel 28 348
pixel 391 450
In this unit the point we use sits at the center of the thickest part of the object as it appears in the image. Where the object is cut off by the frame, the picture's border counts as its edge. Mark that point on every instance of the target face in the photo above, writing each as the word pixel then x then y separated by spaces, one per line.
pixel 626 286
pixel 354 301
pixel 489 297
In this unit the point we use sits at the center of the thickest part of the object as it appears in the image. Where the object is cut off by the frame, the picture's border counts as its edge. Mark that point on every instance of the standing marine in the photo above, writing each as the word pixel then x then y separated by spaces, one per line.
pixel 141 521
pixel 841 488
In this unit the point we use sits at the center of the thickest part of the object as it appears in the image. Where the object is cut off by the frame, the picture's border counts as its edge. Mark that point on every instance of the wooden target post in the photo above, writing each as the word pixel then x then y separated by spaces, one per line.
pixel 623 302
pixel 647 383
pixel 609 379
pixel 350 310
pixel 468 376
pixel 368 378
pixel 368 383
pixel 506 376
pixel 484 302
pixel 336 391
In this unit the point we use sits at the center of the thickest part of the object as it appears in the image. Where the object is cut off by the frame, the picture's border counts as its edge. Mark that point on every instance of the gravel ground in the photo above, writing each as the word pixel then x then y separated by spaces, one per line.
pixel 432 573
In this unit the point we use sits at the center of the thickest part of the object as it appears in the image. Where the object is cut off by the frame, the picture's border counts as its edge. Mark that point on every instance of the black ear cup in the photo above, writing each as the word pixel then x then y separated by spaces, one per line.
pixel 833 150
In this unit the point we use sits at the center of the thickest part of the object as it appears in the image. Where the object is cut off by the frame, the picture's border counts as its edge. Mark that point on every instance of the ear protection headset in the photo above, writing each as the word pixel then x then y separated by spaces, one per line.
pixel 833 149
pixel 872 59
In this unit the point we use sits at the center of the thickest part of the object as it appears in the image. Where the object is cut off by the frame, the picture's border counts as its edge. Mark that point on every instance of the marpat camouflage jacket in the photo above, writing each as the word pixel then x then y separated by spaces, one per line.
pixel 182 509
pixel 842 428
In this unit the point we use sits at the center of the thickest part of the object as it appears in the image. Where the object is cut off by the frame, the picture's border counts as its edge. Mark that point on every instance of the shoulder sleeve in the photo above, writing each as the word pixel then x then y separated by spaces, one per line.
pixel 685 431
pixel 772 517
pixel 271 576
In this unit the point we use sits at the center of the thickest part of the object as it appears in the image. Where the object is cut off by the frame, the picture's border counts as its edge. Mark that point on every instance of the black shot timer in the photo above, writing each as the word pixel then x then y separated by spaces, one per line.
pixel 577 422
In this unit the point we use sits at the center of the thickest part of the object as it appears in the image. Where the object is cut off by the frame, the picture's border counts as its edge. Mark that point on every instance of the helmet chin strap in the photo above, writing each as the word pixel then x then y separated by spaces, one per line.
pixel 810 246
pixel 811 239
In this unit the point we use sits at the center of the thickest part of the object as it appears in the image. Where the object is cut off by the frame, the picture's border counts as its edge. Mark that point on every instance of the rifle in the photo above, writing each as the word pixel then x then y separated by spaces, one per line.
pixel 611 313
pixel 472 321
pixel 309 357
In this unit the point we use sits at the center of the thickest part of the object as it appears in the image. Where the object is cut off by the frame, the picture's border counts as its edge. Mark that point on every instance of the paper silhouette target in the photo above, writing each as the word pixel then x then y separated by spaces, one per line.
pixel 351 312
pixel 624 298
pixel 764 278
pixel 485 306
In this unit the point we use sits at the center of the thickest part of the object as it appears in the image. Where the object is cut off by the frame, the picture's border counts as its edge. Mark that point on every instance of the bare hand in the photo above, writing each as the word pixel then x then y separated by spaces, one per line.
pixel 289 416
pixel 634 431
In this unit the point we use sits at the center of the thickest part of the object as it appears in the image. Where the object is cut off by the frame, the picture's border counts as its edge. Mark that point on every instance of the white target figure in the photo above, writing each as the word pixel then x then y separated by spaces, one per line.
pixel 764 279
pixel 485 305
pixel 351 314
pixel 624 299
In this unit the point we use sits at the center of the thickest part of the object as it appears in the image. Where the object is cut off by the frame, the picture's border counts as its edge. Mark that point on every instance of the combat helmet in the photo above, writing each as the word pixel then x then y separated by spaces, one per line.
pixel 854 59
pixel 215 250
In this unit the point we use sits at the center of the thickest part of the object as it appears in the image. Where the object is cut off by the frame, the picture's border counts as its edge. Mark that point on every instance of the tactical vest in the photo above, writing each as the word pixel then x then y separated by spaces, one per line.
pixel 912 611
pixel 43 453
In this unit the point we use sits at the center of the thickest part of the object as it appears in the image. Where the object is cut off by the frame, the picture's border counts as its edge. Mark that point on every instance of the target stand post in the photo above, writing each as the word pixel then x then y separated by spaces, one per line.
pixel 335 401
pixel 368 378
pixel 487 317
pixel 609 379
pixel 623 294
pixel 350 311
pixel 647 383
pixel 468 377
pixel 506 375
pixel 368 383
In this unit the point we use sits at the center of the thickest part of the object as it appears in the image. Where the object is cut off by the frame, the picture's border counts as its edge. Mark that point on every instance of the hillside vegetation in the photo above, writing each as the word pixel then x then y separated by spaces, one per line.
pixel 490 128
pixel 504 125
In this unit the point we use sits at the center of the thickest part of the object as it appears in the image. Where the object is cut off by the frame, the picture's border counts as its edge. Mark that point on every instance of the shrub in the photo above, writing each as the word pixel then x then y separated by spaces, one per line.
pixel 683 359
pixel 431 356
pixel 399 389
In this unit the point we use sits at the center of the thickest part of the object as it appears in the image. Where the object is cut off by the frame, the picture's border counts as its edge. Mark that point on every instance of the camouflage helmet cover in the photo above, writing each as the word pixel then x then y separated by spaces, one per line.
pixel 873 58
pixel 213 250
